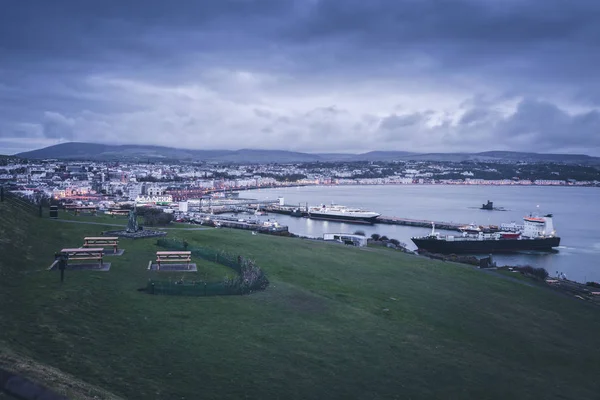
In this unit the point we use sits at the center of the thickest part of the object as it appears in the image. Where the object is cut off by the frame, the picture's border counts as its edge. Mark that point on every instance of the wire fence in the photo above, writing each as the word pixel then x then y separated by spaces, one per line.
pixel 249 276
pixel 190 288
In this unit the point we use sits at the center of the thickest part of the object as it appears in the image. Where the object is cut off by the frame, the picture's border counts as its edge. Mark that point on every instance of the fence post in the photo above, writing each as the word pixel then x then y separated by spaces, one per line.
pixel 62 265
pixel 1 193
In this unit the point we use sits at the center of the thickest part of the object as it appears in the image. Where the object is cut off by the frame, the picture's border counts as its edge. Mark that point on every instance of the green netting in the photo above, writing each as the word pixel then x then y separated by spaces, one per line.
pixel 249 276
pixel 191 288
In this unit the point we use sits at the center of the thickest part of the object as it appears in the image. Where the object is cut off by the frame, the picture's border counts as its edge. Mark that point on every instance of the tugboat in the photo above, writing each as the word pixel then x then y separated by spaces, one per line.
pixel 537 234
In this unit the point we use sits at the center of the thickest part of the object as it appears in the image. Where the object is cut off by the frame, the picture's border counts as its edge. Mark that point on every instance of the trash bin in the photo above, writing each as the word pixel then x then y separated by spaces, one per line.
pixel 54 212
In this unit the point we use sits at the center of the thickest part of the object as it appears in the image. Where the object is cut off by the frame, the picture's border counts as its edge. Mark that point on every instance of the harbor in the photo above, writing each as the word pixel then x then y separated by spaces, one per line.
pixel 400 213
pixel 214 207
pixel 298 211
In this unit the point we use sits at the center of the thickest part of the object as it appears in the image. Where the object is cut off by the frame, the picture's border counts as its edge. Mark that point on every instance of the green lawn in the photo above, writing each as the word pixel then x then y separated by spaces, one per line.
pixel 335 323
pixel 99 217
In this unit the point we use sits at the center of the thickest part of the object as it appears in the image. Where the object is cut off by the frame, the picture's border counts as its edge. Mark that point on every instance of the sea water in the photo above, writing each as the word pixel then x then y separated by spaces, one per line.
pixel 576 216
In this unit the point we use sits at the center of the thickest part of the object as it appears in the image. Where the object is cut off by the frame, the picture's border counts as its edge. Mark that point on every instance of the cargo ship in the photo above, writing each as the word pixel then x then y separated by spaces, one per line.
pixel 537 233
pixel 342 213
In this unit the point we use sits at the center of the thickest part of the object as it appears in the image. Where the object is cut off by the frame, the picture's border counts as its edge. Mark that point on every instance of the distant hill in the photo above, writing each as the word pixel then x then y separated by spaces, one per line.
pixel 104 152
pixel 92 151
pixel 564 158
pixel 266 156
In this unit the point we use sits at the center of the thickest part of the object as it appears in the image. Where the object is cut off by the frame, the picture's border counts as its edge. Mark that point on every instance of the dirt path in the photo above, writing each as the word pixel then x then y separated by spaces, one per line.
pixel 124 226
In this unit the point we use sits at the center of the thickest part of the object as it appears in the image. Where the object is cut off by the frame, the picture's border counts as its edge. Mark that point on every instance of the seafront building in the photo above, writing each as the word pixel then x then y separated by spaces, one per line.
pixel 142 181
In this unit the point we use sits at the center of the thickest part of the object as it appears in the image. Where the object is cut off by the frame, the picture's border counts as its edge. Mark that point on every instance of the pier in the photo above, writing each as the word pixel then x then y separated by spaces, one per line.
pixel 300 211
pixel 421 223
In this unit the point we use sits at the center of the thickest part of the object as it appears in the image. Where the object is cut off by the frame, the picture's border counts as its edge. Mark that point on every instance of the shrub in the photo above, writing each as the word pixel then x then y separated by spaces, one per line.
pixel 593 284
pixel 395 242
pixel 360 233
pixel 384 238
pixel 539 273
pixel 155 217
pixel 375 236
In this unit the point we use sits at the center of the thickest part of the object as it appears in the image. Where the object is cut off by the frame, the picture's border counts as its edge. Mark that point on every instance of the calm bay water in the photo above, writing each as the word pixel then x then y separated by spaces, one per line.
pixel 576 216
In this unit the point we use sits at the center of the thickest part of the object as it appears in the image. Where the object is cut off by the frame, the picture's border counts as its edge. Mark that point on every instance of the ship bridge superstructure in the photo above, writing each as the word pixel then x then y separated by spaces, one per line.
pixel 534 227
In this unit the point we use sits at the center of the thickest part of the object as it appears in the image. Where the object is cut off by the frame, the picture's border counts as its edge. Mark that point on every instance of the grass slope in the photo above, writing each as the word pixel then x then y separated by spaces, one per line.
pixel 336 323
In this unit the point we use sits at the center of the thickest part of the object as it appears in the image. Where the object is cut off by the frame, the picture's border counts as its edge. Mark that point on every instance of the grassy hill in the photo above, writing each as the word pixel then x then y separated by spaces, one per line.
pixel 335 323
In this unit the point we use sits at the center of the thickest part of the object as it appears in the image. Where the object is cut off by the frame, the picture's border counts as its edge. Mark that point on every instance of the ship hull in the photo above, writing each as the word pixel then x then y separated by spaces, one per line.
pixel 343 218
pixel 485 246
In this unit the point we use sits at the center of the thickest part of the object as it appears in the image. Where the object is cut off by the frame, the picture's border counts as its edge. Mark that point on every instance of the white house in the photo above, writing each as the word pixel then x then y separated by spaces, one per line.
pixel 347 238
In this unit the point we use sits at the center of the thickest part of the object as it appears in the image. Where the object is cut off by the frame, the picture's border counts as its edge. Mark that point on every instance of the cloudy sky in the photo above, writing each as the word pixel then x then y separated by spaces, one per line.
pixel 302 75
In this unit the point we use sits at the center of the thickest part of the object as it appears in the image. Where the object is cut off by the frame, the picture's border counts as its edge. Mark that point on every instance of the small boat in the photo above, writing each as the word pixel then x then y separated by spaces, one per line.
pixel 471 228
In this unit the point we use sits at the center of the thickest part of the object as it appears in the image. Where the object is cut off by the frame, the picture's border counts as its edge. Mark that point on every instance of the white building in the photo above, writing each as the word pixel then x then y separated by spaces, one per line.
pixel 347 238
pixel 154 191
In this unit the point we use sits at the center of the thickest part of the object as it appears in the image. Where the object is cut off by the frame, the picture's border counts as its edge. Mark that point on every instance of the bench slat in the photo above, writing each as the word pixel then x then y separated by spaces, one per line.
pixel 80 250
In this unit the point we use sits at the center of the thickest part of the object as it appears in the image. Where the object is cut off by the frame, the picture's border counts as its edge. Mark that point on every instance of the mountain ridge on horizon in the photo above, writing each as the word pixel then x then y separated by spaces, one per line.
pixel 132 152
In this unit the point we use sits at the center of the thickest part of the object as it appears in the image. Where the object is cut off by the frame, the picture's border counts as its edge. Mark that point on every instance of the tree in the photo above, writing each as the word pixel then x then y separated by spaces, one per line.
pixel 375 236
pixel 395 242
pixel 155 216
pixel 360 233
pixel 384 238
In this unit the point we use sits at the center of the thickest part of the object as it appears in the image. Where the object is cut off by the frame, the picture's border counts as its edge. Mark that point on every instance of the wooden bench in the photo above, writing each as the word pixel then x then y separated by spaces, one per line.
pixel 77 208
pixel 83 254
pixel 118 212
pixel 102 241
pixel 173 256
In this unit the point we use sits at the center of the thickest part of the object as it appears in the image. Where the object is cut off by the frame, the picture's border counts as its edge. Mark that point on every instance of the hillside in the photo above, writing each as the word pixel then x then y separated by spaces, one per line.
pixel 103 152
pixel 336 323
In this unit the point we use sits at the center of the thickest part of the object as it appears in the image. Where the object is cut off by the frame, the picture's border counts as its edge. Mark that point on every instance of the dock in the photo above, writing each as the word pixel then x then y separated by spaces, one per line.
pixel 231 222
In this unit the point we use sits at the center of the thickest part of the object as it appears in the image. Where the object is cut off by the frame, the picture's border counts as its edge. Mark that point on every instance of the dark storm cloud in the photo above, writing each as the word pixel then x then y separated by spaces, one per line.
pixel 550 126
pixel 86 70
pixel 551 39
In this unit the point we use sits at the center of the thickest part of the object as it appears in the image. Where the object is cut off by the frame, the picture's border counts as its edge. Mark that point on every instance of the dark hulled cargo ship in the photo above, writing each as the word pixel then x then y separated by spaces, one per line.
pixel 536 233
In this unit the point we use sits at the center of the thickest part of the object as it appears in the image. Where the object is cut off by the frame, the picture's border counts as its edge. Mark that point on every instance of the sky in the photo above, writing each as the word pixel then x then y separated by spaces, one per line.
pixel 302 75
